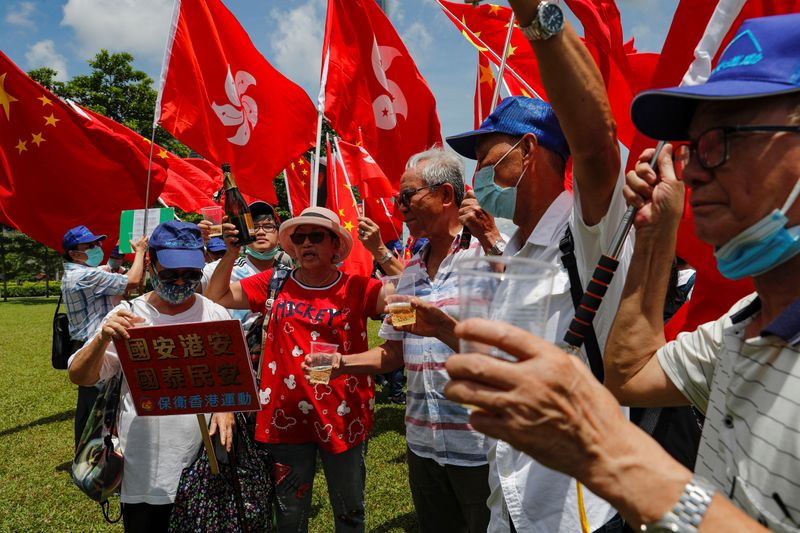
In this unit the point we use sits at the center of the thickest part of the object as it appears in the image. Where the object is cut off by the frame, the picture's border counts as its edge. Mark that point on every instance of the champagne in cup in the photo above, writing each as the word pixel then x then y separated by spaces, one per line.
pixel 398 291
pixel 321 362
pixel 214 215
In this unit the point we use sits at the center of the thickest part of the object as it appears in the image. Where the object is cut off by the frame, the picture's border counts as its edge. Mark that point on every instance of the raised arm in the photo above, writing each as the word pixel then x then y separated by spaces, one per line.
pixel 632 373
pixel 378 360
pixel 577 93
pixel 219 287
pixel 137 268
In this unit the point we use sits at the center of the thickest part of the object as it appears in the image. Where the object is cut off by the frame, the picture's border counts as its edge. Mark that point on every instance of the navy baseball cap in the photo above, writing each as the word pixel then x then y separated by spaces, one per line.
pixel 516 116
pixel 79 235
pixel 178 245
pixel 215 244
pixel 259 209
pixel 763 59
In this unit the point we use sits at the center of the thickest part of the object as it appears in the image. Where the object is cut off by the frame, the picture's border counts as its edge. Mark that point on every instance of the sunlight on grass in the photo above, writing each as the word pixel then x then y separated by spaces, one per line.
pixel 37 405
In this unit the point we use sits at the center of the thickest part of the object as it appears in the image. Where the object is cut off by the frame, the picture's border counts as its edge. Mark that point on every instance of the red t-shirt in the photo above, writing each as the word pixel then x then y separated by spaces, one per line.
pixel 337 416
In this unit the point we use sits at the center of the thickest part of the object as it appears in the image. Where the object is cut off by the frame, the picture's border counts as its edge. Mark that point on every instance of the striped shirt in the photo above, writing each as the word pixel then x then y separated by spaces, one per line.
pixel 749 390
pixel 89 294
pixel 436 428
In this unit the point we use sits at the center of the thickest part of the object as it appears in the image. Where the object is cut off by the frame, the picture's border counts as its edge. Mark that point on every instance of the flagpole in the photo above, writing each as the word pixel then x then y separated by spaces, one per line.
pixel 149 172
pixel 320 110
pixel 478 40
pixel 503 62
pixel 288 194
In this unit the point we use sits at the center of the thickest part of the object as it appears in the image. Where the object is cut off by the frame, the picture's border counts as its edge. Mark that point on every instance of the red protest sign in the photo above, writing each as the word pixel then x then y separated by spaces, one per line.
pixel 192 368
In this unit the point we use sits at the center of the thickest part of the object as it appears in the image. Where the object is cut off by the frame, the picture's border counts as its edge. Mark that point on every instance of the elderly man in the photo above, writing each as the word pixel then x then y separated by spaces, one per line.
pixel 447 464
pixel 89 293
pixel 743 163
pixel 521 149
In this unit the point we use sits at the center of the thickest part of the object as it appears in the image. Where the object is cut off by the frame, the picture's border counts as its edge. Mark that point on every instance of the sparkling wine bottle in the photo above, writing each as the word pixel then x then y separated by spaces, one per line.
pixel 236 208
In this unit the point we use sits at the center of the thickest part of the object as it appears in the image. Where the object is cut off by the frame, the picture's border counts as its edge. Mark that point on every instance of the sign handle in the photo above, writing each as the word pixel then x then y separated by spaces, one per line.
pixel 212 456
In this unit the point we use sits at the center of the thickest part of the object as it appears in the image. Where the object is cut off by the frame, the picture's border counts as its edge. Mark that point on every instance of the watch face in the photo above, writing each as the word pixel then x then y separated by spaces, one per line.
pixel 551 18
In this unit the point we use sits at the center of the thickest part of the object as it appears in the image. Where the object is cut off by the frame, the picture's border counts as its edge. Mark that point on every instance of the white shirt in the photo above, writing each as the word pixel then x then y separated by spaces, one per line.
pixel 749 390
pixel 539 499
pixel 156 448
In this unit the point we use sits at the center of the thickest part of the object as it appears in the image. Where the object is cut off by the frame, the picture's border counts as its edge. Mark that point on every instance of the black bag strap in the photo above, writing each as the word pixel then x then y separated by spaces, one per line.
pixel 567 247
pixel 276 282
pixel 58 306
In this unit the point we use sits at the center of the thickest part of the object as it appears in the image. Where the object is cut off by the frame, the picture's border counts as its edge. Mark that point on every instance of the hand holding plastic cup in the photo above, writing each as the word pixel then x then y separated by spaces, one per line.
pixel 398 291
pixel 214 215
pixel 321 362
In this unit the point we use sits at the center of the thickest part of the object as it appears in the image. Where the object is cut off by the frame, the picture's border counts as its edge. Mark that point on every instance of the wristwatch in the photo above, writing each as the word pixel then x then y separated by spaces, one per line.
pixel 385 258
pixel 687 514
pixel 549 20
pixel 497 248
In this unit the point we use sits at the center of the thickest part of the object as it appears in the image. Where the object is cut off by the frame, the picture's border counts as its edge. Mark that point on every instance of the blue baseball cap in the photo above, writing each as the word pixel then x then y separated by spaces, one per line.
pixel 178 245
pixel 79 235
pixel 763 59
pixel 216 244
pixel 516 116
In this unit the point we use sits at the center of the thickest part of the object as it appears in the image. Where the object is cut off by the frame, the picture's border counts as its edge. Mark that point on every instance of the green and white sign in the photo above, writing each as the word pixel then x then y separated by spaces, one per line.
pixel 131 225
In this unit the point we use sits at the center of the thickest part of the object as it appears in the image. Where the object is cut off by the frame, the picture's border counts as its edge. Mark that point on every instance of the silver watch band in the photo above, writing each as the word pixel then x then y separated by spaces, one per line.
pixel 688 513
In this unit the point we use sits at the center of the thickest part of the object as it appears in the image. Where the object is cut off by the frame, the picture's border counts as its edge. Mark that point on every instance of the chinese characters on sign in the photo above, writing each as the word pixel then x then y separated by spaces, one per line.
pixel 200 367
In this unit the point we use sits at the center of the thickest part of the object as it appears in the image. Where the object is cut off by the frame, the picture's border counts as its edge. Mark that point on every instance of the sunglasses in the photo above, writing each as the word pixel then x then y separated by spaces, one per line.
pixel 171 276
pixel 404 197
pixel 315 237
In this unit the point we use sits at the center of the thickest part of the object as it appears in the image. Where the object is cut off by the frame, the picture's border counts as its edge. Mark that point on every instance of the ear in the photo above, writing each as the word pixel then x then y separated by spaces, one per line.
pixel 448 194
pixel 75 255
pixel 529 144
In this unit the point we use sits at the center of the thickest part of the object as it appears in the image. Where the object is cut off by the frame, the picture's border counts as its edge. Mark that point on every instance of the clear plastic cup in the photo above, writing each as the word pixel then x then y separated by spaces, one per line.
pixel 398 291
pixel 321 362
pixel 510 289
pixel 214 215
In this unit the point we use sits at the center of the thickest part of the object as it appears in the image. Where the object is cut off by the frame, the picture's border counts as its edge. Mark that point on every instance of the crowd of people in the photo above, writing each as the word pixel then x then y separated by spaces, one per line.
pixel 545 442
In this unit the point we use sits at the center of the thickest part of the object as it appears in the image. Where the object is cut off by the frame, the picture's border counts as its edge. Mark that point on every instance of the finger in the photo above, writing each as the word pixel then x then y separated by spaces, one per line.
pixel 469 195
pixel 666 168
pixel 508 338
pixel 491 424
pixel 478 394
pixel 483 369
pixel 631 198
pixel 212 430
pixel 638 186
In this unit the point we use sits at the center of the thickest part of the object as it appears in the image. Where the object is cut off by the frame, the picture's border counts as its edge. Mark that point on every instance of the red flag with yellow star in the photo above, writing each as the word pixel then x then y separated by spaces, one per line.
pixel 59 168
pixel 342 202
pixel 484 90
pixel 222 98
pixel 298 188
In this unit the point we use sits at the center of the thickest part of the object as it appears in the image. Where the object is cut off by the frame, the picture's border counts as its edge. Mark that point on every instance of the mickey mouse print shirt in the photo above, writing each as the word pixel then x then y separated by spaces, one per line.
pixel 337 416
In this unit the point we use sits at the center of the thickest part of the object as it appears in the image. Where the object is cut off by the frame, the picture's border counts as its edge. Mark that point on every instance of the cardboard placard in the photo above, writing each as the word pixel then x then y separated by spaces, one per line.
pixel 192 368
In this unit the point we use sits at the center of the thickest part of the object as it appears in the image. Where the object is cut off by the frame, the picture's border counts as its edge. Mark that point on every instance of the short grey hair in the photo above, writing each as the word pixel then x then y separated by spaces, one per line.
pixel 442 166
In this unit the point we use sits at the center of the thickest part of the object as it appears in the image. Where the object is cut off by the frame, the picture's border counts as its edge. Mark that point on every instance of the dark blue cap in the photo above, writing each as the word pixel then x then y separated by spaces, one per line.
pixel 215 244
pixel 79 235
pixel 178 245
pixel 516 116
pixel 762 60
pixel 116 253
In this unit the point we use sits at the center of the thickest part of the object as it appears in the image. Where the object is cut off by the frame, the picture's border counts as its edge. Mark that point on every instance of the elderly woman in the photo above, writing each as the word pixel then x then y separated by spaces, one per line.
pixel 298 420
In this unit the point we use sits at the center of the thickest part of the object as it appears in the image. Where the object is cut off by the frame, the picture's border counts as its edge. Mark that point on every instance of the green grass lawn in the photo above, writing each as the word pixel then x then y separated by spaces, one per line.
pixel 37 405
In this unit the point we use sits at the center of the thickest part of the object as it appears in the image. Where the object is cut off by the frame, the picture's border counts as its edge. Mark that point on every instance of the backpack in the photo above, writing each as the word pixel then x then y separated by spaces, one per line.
pixel 61 340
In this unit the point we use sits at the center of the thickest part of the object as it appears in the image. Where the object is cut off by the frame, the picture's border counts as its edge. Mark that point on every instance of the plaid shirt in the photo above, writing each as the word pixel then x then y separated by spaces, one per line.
pixel 88 296
pixel 436 428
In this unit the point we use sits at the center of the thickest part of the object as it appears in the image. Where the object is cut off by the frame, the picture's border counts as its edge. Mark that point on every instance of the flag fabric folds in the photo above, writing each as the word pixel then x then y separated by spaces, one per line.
pixel 373 85
pixel 364 172
pixel 484 90
pixel 298 185
pixel 60 168
pixel 223 99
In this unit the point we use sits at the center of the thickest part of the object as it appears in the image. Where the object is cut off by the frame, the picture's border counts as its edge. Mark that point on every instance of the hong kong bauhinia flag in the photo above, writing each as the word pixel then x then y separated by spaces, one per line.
pixel 373 84
pixel 60 168
pixel 223 99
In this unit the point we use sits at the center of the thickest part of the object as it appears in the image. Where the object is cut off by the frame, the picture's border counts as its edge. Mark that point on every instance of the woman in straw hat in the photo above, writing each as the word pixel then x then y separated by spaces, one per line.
pixel 298 420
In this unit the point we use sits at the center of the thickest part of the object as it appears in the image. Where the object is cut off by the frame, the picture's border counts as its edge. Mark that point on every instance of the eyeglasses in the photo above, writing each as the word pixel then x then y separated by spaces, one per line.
pixel 404 197
pixel 315 237
pixel 711 147
pixel 171 276
pixel 266 228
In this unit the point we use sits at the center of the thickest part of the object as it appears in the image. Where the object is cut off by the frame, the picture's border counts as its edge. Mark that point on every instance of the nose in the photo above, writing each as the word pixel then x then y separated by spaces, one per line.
pixel 695 176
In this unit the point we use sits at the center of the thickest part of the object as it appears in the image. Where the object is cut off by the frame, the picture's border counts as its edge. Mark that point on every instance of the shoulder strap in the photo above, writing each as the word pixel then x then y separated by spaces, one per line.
pixel 276 282
pixel 567 247
pixel 58 306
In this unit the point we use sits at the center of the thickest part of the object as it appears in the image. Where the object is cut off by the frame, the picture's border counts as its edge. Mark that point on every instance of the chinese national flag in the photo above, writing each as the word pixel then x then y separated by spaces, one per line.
pixel 342 202
pixel 391 226
pixel 223 99
pixel 298 188
pixel 373 84
pixel 60 168
pixel 364 172
pixel 484 90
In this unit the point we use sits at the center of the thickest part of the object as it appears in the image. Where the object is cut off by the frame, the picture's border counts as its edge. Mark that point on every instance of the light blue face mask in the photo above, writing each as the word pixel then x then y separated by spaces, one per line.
pixel 496 200
pixel 264 256
pixel 763 246
pixel 94 256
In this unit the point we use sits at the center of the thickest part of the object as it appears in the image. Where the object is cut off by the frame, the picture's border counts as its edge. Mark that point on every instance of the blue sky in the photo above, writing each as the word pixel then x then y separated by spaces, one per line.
pixel 63 34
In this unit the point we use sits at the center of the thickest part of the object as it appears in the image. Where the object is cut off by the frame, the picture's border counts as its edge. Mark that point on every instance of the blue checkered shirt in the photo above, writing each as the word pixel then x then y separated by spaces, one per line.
pixel 88 296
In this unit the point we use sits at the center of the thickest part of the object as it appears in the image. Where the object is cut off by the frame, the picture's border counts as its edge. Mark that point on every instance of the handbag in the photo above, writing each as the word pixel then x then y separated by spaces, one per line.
pixel 61 339
pixel 98 464
pixel 239 499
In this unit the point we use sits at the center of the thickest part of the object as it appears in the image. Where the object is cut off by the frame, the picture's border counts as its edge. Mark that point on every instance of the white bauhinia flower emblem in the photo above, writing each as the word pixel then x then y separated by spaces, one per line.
pixel 242 110
pixel 386 107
